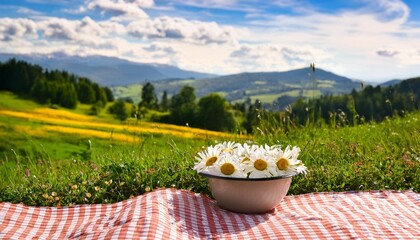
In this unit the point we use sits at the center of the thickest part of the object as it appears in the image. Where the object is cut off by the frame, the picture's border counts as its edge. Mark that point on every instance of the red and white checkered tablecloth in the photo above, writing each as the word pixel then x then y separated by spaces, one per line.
pixel 180 214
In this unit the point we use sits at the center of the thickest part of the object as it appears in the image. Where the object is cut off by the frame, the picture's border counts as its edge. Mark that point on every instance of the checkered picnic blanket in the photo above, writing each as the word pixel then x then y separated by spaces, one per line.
pixel 180 214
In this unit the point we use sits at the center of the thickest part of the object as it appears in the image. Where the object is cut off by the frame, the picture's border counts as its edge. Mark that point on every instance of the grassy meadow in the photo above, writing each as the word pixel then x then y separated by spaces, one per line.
pixel 56 157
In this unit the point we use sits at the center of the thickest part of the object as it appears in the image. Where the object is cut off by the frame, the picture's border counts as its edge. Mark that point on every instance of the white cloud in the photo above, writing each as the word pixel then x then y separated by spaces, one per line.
pixel 59 29
pixel 122 8
pixel 19 28
pixel 182 29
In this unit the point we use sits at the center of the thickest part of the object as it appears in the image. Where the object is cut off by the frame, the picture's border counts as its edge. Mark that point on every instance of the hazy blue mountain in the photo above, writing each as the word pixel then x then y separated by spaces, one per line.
pixel 390 83
pixel 108 71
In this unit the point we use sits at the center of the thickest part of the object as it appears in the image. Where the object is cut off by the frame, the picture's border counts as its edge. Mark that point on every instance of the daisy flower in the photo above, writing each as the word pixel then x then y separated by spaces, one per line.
pixel 286 161
pixel 206 159
pixel 260 165
pixel 244 152
pixel 228 147
pixel 228 166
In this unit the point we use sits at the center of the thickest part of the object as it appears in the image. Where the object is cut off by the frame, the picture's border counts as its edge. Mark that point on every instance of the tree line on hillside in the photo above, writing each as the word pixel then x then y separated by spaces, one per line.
pixel 215 113
pixel 52 87
pixel 369 104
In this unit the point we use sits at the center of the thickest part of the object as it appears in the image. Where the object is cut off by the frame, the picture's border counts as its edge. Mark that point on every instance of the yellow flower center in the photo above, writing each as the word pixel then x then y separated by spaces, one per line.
pixel 282 164
pixel 260 164
pixel 210 161
pixel 245 159
pixel 227 168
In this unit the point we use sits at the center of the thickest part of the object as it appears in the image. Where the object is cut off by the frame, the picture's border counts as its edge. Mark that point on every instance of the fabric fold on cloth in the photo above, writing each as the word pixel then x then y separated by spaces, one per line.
pixel 180 214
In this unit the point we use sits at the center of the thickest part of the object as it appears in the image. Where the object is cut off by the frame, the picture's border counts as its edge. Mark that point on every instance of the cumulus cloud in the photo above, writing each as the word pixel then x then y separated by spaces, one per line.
pixel 59 29
pixel 180 28
pixel 11 29
pixel 124 8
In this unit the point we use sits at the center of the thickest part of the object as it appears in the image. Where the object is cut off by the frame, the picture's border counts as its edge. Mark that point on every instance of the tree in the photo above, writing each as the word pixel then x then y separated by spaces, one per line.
pixel 164 103
pixel 213 113
pixel 39 91
pixel 148 97
pixel 85 91
pixel 183 107
pixel 109 95
pixel 99 93
pixel 68 95
pixel 119 110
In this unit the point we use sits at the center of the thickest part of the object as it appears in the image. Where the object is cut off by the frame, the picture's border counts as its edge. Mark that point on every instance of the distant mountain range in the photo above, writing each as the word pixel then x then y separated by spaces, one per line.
pixel 390 83
pixel 108 71
pixel 126 78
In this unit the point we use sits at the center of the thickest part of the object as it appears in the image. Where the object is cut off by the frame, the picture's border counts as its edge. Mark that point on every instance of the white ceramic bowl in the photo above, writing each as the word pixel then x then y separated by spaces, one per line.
pixel 248 195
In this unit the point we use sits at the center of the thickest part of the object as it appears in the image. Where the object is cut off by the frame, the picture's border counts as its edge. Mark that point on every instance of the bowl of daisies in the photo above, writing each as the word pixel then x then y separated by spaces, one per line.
pixel 249 178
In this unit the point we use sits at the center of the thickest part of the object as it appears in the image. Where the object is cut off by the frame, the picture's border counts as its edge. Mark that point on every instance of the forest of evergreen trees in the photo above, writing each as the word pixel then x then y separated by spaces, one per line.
pixel 369 104
pixel 51 87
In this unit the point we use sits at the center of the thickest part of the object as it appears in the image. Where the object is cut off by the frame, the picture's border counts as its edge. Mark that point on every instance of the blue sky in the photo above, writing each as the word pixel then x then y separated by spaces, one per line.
pixel 371 40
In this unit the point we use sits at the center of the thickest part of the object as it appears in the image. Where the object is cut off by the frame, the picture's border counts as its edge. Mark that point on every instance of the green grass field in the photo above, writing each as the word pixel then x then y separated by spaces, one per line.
pixel 50 168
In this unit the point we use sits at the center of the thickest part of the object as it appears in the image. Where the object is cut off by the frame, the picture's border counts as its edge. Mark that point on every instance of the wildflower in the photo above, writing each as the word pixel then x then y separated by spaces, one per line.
pixel 53 194
pixel 227 147
pixel 244 152
pixel 88 195
pixel 97 188
pixel 260 165
pixel 207 158
pixel 147 189
pixel 229 167
pixel 287 162
pixel 74 187
pixel 108 182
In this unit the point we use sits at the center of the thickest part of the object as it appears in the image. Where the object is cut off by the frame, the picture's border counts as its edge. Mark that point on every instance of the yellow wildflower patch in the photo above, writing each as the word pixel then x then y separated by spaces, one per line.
pixel 56 113
pixel 83 125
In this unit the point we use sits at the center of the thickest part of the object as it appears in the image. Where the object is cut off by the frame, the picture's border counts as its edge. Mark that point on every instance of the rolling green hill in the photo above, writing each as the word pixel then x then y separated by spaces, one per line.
pixel 264 86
